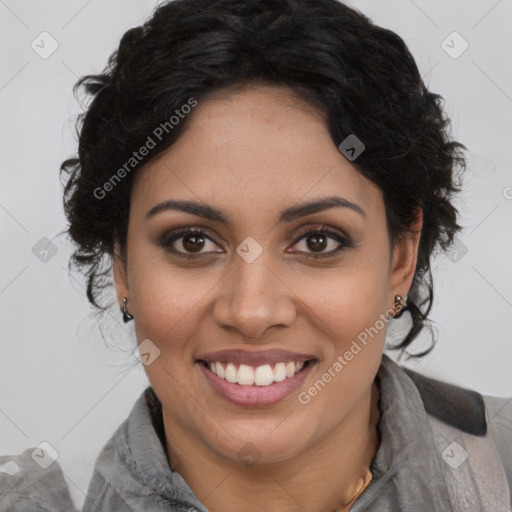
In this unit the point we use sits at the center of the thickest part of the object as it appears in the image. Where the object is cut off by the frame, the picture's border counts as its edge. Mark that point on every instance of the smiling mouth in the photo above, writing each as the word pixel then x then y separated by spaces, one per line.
pixel 264 375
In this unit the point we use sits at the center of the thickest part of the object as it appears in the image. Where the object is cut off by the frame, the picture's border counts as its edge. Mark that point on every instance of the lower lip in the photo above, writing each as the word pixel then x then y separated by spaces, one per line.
pixel 256 396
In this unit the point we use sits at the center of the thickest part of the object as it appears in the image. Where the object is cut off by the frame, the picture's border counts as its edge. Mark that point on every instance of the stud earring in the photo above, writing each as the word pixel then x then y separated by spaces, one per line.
pixel 400 305
pixel 126 316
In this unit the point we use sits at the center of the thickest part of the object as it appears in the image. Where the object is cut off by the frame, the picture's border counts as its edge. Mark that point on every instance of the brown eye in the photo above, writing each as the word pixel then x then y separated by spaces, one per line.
pixel 317 240
pixel 188 242
pixel 193 243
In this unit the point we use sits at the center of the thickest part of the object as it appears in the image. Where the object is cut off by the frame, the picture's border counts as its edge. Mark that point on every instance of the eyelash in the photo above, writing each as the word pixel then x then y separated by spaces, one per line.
pixel 167 241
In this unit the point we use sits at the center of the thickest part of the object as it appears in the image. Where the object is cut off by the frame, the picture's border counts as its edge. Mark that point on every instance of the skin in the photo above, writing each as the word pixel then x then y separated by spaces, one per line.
pixel 251 153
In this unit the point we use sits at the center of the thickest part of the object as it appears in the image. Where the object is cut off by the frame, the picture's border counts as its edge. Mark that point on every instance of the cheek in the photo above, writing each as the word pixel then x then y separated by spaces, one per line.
pixel 350 312
pixel 167 304
pixel 349 299
pixel 165 298
pixel 162 293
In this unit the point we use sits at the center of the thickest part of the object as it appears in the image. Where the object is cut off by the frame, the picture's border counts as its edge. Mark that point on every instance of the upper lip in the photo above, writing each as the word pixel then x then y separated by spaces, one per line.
pixel 254 358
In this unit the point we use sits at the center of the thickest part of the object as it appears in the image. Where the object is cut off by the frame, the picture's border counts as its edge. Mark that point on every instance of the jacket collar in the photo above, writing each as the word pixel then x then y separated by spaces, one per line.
pixel 407 467
pixel 146 443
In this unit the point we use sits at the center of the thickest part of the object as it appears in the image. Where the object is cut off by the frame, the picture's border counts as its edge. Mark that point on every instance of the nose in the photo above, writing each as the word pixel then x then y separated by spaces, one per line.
pixel 254 300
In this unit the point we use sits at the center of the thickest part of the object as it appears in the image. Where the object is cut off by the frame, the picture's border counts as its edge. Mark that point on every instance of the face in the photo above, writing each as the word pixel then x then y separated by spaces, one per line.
pixel 265 278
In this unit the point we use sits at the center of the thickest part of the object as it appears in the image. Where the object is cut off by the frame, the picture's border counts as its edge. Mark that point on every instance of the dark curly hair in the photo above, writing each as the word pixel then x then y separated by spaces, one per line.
pixel 361 75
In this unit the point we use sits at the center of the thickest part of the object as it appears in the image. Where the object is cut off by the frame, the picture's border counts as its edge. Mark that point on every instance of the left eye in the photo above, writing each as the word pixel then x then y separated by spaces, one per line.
pixel 317 240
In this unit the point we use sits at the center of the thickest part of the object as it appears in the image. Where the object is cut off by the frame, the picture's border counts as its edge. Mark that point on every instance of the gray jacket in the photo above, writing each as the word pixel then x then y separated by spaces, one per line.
pixel 443 448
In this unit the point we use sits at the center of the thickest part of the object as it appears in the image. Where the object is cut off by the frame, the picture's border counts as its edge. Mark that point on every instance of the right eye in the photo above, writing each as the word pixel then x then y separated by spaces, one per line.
pixel 193 240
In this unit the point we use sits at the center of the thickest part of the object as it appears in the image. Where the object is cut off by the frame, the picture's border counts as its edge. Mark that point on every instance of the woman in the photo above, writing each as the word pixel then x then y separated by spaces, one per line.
pixel 268 181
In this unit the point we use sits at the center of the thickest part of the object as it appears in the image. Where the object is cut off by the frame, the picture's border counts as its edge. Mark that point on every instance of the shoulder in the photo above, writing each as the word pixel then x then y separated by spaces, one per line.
pixel 463 408
pixel 459 407
pixel 33 480
pixel 474 418
pixel 499 416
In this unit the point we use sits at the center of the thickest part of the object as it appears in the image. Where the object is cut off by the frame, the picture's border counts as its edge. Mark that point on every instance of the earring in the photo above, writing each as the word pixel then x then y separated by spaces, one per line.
pixel 400 305
pixel 126 316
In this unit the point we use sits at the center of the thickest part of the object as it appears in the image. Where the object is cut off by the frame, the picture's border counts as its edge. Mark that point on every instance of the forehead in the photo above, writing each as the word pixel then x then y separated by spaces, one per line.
pixel 261 145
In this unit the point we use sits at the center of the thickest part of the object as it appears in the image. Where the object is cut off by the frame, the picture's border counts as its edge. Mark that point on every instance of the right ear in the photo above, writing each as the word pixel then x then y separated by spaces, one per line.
pixel 120 274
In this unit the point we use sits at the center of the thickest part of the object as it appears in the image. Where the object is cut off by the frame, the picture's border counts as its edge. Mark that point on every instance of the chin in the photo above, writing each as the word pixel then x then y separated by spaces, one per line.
pixel 259 442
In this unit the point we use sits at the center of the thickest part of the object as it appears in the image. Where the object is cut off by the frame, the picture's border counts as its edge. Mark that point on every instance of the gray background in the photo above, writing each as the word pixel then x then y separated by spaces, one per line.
pixel 61 381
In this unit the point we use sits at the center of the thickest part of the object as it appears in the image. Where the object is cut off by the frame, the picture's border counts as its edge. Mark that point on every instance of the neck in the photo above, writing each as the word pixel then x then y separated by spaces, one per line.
pixel 328 476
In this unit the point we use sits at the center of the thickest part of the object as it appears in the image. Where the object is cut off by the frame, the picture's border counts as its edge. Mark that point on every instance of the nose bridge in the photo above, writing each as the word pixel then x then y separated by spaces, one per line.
pixel 254 281
pixel 253 298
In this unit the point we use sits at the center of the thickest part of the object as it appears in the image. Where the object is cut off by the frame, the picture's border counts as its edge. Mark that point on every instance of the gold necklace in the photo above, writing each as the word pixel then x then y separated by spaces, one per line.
pixel 368 477
pixel 366 482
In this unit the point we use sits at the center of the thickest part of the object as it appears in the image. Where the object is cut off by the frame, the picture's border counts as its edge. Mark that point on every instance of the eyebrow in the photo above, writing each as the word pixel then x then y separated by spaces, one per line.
pixel 286 215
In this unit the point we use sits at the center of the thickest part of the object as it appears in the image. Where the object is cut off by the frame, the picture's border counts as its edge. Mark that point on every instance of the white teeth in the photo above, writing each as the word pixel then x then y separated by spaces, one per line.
pixel 245 375
pixel 263 375
pixel 279 372
pixel 220 370
pixel 231 373
pixel 290 369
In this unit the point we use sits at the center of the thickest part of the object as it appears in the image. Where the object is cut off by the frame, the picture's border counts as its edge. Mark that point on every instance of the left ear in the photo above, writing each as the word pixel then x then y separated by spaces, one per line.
pixel 120 275
pixel 404 259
